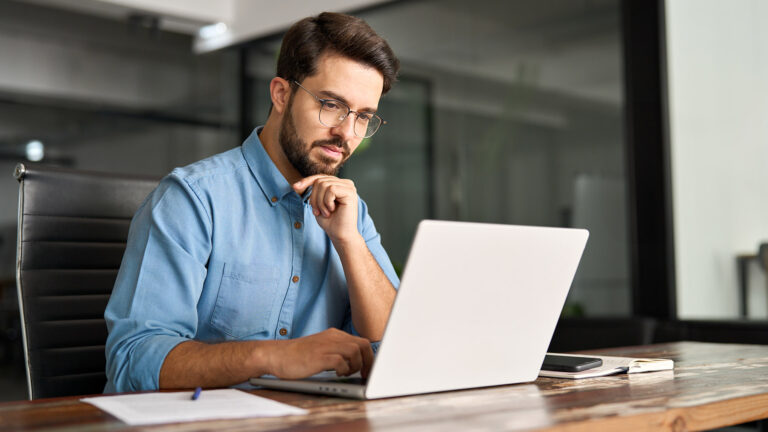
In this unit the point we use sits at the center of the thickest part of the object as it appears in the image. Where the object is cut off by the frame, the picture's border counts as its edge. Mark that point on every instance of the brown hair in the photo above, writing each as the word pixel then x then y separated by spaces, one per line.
pixel 343 34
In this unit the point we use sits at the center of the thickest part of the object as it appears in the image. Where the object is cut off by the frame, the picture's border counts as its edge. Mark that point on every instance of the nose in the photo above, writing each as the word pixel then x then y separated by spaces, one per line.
pixel 346 130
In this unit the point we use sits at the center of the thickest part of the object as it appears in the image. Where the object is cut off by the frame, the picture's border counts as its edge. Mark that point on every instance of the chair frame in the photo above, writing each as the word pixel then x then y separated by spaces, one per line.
pixel 19 173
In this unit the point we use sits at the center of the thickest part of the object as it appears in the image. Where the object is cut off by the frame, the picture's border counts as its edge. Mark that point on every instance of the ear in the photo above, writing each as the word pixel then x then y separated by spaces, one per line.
pixel 280 92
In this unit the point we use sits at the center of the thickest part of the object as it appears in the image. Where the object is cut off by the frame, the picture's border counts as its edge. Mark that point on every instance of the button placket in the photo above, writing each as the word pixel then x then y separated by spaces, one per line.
pixel 295 212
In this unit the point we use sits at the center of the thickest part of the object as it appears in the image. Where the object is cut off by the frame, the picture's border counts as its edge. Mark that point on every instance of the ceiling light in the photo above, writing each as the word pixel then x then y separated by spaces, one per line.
pixel 35 150
pixel 213 30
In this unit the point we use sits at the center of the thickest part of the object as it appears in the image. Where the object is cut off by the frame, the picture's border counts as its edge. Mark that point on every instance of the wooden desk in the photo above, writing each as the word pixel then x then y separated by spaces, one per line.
pixel 713 385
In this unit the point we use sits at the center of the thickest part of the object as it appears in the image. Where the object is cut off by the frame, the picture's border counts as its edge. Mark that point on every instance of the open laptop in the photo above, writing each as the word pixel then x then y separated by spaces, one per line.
pixel 477 307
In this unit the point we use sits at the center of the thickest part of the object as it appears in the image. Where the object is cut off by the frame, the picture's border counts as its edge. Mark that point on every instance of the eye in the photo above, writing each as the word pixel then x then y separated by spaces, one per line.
pixel 331 105
pixel 366 117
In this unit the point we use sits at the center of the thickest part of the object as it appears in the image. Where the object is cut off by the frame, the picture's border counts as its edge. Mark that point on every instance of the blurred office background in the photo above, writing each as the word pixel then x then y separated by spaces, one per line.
pixel 633 119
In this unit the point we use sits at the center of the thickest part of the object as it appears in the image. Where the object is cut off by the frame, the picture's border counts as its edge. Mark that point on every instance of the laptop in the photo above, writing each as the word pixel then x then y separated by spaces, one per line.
pixel 477 307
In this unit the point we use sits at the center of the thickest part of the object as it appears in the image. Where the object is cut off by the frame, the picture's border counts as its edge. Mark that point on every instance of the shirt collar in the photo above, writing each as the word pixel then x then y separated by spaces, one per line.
pixel 271 181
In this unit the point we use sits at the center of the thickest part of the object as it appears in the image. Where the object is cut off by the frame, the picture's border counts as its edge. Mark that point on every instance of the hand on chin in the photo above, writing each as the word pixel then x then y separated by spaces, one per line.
pixel 334 203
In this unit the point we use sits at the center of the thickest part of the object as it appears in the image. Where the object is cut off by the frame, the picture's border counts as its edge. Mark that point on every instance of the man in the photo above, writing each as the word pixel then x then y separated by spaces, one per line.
pixel 260 260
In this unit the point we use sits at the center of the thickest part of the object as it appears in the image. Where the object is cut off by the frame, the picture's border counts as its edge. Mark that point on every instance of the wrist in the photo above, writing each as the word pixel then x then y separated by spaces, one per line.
pixel 350 242
pixel 262 357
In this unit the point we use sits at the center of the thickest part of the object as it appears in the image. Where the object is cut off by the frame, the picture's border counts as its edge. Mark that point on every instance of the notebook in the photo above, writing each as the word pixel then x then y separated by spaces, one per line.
pixel 476 307
pixel 612 366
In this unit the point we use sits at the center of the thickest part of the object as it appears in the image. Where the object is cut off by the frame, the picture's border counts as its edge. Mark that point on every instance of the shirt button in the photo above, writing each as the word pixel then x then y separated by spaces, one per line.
pixel 297 225
pixel 274 199
pixel 283 332
pixel 295 279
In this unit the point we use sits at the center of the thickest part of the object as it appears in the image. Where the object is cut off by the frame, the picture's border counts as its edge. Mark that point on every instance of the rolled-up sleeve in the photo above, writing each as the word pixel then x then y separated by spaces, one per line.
pixel 153 304
pixel 373 241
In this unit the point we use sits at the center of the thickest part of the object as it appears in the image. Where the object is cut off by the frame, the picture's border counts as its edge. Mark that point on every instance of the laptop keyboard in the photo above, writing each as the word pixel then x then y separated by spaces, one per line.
pixel 353 380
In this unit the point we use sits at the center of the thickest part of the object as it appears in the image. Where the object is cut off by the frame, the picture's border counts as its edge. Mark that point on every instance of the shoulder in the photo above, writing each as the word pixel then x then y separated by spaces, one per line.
pixel 219 166
pixel 190 183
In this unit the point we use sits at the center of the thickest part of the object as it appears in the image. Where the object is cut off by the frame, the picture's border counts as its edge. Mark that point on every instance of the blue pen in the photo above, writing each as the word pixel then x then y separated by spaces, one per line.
pixel 197 393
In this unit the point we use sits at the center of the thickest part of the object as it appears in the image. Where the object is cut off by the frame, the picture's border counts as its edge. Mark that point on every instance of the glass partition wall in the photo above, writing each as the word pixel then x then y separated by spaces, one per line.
pixel 505 112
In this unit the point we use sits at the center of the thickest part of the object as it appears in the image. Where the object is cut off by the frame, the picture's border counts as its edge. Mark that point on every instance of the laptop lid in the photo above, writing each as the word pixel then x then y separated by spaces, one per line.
pixel 477 306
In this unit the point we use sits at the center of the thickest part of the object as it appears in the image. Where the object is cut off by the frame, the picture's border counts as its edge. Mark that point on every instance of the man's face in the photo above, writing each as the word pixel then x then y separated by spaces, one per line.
pixel 311 147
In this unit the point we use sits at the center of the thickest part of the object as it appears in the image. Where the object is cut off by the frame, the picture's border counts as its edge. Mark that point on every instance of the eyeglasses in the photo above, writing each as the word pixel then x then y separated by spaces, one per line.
pixel 333 113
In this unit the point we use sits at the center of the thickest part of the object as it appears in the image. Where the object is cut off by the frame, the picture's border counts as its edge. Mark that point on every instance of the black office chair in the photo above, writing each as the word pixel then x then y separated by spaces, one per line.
pixel 73 226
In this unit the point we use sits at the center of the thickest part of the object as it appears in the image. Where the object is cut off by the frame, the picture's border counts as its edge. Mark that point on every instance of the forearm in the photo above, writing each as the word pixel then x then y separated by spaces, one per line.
pixel 196 364
pixel 371 294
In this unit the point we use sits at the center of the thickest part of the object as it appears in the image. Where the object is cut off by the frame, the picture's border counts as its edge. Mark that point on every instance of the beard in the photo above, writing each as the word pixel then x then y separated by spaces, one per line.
pixel 297 151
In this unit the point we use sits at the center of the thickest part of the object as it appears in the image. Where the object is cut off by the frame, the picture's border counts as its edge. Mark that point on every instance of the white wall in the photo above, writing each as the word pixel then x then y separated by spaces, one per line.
pixel 718 104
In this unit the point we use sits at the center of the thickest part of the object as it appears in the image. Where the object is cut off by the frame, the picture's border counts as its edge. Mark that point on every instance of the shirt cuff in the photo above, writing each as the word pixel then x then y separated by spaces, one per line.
pixel 375 347
pixel 148 360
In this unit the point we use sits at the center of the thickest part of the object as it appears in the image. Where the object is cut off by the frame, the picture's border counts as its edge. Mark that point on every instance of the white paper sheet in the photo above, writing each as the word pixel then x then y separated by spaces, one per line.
pixel 152 408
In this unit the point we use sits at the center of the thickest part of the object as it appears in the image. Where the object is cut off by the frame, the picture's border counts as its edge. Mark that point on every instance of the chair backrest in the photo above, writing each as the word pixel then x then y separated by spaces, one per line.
pixel 73 226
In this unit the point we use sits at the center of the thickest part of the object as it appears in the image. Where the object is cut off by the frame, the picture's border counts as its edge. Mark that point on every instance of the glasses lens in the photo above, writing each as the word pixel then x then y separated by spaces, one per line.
pixel 367 124
pixel 332 113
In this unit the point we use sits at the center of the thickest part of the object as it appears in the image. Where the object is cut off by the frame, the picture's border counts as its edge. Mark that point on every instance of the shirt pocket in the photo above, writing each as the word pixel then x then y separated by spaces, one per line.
pixel 245 301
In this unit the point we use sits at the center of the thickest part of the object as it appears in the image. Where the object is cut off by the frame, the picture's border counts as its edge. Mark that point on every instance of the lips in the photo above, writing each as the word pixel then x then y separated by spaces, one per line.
pixel 332 151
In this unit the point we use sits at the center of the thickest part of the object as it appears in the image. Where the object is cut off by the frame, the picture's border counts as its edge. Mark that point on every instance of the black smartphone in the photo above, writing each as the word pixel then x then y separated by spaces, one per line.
pixel 570 364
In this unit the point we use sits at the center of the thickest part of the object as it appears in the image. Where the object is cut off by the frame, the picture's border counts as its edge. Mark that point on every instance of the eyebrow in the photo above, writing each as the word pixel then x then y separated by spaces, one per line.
pixel 341 98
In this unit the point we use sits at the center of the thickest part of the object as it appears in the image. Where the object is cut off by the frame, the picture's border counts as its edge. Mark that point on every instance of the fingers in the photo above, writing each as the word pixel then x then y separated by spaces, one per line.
pixel 348 359
pixel 354 357
pixel 338 363
pixel 306 182
pixel 329 200
pixel 318 198
pixel 364 353
pixel 367 353
pixel 356 352
pixel 328 192
pixel 331 349
pixel 325 197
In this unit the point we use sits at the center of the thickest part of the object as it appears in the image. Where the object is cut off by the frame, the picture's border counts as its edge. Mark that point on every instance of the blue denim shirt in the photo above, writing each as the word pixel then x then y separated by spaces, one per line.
pixel 224 250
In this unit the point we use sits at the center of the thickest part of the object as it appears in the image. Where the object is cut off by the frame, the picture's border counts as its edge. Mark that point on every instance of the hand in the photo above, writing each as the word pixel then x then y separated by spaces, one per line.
pixel 334 204
pixel 331 349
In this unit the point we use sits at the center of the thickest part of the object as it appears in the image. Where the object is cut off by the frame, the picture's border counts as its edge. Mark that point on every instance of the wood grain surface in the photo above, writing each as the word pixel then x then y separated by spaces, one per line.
pixel 713 385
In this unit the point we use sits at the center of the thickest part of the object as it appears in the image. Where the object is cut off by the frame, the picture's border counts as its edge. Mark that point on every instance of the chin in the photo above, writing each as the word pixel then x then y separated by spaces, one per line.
pixel 327 166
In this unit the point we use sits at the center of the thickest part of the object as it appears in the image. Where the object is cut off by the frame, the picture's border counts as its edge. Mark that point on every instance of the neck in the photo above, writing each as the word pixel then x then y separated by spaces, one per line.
pixel 270 139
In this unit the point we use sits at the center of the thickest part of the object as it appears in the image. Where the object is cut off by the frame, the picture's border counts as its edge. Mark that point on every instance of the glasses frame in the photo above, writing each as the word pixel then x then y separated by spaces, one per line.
pixel 344 117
